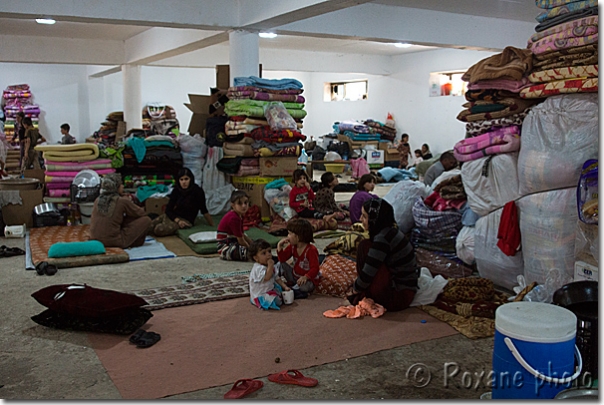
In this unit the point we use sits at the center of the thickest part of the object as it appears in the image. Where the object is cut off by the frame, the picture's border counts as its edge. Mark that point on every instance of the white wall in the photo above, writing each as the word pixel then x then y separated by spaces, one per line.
pixel 61 92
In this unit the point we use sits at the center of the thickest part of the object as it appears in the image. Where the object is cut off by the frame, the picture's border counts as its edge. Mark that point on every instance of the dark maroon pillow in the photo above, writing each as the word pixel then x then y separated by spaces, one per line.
pixel 83 300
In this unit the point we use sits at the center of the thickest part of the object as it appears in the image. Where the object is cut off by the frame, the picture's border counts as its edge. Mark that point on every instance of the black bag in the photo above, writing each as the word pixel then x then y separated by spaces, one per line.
pixel 215 134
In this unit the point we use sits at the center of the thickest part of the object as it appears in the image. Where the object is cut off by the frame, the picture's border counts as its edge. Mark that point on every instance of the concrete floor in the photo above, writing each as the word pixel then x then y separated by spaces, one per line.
pixel 44 363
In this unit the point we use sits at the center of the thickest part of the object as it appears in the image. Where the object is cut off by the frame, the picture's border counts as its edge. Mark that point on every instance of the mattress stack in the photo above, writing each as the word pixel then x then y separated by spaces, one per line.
pixel 18 98
pixel 565 49
pixel 63 163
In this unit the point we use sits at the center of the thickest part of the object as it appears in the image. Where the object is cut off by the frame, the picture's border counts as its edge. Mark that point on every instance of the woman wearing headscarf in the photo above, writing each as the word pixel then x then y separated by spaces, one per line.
pixel 186 200
pixel 386 267
pixel 115 220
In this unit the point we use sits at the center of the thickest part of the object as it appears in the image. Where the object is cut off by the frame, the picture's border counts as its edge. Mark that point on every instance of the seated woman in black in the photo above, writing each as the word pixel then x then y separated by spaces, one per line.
pixel 387 272
pixel 186 200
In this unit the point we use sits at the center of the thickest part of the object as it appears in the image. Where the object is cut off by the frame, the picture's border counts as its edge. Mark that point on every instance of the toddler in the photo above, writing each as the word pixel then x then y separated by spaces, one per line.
pixel 265 284
pixel 233 243
pixel 304 275
pixel 301 197
pixel 418 158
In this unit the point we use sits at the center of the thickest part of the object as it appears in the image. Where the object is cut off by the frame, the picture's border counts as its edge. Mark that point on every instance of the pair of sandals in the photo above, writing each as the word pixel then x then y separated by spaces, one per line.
pixel 46 268
pixel 246 386
pixel 143 339
pixel 6 251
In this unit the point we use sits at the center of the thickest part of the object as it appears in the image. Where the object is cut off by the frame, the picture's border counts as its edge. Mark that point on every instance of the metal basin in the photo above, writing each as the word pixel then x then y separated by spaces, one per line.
pixel 46 208
pixel 578 393
pixel 19 184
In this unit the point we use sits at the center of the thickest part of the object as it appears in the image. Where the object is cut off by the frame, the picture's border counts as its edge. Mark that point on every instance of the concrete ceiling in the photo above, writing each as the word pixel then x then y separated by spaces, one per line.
pixel 111 27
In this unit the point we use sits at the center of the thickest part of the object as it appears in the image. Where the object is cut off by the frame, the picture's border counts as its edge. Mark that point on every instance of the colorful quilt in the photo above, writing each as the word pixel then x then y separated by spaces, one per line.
pixel 552 43
pixel 520 106
pixel 576 28
pixel 569 72
pixel 566 9
pixel 566 86
pixel 503 140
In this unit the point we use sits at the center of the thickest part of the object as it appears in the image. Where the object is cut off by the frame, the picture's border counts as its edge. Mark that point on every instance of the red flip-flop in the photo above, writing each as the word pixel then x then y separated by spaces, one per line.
pixel 297 378
pixel 243 387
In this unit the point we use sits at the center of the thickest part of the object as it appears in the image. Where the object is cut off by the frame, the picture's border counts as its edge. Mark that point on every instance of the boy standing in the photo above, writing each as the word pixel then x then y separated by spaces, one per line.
pixel 67 139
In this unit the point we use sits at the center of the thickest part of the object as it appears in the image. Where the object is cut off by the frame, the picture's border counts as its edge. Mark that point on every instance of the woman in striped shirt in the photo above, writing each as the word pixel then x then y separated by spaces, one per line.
pixel 386 267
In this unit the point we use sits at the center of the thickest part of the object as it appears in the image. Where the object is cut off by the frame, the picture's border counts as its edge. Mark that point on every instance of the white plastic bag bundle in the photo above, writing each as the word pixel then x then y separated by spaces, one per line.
pixel 548 227
pixel 464 244
pixel 491 262
pixel 278 199
pixel 402 197
pixel 215 183
pixel 277 116
pixel 491 182
pixel 193 150
pixel 428 288
pixel 331 156
pixel 558 135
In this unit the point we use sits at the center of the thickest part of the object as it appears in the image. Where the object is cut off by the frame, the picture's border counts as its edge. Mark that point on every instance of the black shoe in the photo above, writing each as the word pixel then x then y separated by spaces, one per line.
pixel 299 295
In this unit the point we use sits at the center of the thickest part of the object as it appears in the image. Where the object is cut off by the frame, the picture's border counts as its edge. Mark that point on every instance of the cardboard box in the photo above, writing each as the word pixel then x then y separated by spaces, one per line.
pixel 278 166
pixel 15 214
pixel 156 205
pixel 200 106
pixel 357 144
pixel 375 157
pixel 391 154
pixel 35 174
pixel 254 187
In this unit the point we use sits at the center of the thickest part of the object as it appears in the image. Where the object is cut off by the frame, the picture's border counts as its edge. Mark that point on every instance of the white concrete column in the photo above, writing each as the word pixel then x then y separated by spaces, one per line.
pixel 244 54
pixel 131 76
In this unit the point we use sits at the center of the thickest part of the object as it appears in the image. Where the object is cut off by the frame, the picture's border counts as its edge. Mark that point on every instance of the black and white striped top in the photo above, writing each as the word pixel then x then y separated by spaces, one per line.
pixel 392 248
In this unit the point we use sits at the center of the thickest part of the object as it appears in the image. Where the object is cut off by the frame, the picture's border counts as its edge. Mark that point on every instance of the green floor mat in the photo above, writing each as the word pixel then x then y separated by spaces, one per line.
pixel 210 247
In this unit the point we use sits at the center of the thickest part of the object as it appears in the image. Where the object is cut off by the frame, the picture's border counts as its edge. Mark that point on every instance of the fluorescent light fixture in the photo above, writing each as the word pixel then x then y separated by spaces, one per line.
pixel 402 45
pixel 267 35
pixel 48 21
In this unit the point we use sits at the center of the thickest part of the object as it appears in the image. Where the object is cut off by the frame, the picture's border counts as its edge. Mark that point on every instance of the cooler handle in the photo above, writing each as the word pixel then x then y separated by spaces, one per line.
pixel 527 367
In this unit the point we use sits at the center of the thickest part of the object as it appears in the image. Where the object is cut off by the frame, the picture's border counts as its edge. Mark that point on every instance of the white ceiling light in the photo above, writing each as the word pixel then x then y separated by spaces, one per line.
pixel 48 21
pixel 267 35
pixel 402 45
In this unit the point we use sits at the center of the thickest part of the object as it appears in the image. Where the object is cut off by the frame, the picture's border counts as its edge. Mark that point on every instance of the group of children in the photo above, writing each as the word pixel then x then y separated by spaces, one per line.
pixel 405 159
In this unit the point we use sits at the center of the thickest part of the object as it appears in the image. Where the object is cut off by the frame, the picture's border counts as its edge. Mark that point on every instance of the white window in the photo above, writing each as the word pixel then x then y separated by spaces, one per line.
pixel 345 91
pixel 447 84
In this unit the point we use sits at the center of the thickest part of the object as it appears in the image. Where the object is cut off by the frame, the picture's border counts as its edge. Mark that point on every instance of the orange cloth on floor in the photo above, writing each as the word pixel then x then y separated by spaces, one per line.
pixel 365 307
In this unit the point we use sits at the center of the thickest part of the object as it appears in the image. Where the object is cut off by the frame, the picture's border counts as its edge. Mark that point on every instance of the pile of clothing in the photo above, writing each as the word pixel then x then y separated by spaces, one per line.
pixel 160 119
pixel 107 132
pixel 18 98
pixel 565 49
pixel 157 155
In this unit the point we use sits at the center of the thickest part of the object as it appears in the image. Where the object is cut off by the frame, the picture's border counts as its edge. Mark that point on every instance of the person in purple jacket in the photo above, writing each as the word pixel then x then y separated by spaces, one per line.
pixel 365 186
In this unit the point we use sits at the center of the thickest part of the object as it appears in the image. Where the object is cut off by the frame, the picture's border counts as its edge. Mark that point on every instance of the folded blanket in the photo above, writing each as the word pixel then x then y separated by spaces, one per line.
pixel 248 171
pixel 353 126
pixel 480 127
pixel 73 173
pixel 93 164
pixel 570 72
pixel 573 15
pixel 265 90
pixel 493 95
pixel 281 135
pixel 581 59
pixel 511 64
pixel 78 152
pixel 576 28
pixel 59 192
pixel 258 95
pixel 253 162
pixel 58 185
pixel 551 43
pixel 565 86
pixel 257 121
pixel 566 9
pixel 275 84
pixel 521 105
pixel 547 4
pixel 252 109
pixel 499 141
pixel 513 86
pixel 235 149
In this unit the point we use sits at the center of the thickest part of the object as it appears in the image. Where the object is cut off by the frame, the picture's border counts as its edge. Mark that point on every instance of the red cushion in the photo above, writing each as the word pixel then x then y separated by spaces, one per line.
pixel 83 300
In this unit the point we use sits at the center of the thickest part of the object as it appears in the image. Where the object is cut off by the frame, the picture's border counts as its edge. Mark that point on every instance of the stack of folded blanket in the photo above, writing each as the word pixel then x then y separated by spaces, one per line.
pixel 249 134
pixel 565 49
pixel 356 131
pixel 18 98
pixel 107 132
pixel 386 132
pixel 493 100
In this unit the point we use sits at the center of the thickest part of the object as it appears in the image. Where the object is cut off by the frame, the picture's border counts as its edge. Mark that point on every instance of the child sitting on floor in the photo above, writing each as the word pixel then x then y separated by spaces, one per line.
pixel 304 275
pixel 325 202
pixel 301 197
pixel 232 242
pixel 265 284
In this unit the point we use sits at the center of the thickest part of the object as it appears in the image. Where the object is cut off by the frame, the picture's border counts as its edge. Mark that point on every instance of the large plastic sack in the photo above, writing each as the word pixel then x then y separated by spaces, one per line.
pixel 464 244
pixel 215 183
pixel 491 182
pixel 491 262
pixel 278 199
pixel 558 135
pixel 548 226
pixel 193 150
pixel 435 224
pixel 402 197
